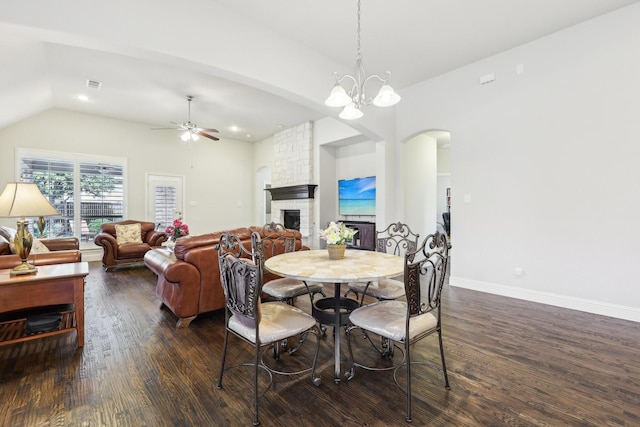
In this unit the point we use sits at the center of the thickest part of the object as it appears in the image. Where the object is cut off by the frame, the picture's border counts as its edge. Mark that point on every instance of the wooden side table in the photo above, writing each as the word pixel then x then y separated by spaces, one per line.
pixel 56 284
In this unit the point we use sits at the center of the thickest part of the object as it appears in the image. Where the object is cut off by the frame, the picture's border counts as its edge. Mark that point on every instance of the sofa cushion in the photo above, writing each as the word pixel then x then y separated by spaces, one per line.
pixel 37 247
pixel 128 233
pixel 7 232
pixel 133 250
pixel 4 246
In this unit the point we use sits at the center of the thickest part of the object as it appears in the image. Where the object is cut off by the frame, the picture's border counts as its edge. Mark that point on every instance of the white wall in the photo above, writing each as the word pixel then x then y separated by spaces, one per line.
pixel 549 160
pixel 355 161
pixel 263 161
pixel 419 183
pixel 213 171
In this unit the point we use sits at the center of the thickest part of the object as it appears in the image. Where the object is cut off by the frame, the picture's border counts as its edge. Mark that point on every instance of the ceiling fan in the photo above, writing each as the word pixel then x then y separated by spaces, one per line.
pixel 191 130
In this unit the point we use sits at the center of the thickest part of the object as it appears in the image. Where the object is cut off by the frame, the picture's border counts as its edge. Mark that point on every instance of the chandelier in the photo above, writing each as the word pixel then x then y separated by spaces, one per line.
pixel 355 98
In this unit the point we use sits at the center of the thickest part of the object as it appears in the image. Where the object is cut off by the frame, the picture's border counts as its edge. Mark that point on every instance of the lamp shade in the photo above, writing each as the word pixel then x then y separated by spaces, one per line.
pixel 386 97
pixel 21 199
pixel 350 112
pixel 338 97
pixel 189 136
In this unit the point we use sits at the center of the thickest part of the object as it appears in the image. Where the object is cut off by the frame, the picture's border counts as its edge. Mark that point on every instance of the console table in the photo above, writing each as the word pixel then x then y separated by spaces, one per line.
pixel 366 236
pixel 56 284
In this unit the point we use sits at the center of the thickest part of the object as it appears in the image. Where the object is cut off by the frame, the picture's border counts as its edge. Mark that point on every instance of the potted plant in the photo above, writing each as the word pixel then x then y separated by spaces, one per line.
pixel 337 235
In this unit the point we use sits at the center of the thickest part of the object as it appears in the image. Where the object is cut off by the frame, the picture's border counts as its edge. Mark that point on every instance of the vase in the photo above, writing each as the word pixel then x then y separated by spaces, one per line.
pixel 336 251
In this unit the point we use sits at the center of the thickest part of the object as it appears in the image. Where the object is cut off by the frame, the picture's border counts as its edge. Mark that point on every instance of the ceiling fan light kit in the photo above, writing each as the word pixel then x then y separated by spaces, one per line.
pixel 191 131
pixel 355 98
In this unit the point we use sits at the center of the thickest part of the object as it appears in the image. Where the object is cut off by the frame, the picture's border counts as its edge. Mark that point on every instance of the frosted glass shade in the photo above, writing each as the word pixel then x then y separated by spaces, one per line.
pixel 338 97
pixel 386 97
pixel 350 112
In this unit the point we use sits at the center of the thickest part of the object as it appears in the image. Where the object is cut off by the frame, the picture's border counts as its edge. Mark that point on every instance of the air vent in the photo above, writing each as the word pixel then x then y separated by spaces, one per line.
pixel 94 84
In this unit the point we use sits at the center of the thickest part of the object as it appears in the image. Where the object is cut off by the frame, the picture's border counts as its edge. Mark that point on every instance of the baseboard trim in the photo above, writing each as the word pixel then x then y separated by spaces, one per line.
pixel 580 304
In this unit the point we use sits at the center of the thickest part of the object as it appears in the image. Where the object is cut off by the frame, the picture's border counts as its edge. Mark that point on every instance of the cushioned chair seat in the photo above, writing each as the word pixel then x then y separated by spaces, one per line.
pixel 382 290
pixel 388 319
pixel 277 322
pixel 283 289
pixel 132 250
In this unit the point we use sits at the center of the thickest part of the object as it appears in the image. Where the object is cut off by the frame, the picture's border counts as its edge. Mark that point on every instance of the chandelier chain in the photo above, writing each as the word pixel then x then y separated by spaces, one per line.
pixel 353 97
pixel 359 53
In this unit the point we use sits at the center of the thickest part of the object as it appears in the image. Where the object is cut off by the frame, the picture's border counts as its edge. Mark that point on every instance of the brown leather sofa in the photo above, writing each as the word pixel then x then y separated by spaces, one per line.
pixel 189 276
pixel 61 250
pixel 127 254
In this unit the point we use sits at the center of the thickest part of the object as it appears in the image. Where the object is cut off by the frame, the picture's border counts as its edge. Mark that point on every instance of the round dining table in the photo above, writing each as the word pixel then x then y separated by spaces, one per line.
pixel 315 266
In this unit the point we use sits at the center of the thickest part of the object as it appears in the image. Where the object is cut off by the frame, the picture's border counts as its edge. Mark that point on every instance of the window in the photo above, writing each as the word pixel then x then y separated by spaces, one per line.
pixel 96 184
pixel 166 204
pixel 165 201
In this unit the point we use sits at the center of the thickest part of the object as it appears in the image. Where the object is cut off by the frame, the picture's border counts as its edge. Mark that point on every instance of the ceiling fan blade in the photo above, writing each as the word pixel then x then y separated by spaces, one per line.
pixel 208 136
pixel 209 130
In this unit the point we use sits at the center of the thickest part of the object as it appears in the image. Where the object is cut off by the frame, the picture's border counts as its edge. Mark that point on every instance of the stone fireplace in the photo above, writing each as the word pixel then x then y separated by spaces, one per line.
pixel 292 177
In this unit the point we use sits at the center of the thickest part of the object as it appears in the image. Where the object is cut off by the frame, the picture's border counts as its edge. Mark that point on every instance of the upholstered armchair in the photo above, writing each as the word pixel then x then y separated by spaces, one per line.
pixel 125 243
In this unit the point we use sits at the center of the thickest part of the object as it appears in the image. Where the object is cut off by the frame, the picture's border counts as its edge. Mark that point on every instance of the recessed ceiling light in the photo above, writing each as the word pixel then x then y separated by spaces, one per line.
pixel 248 135
pixel 234 128
pixel 83 98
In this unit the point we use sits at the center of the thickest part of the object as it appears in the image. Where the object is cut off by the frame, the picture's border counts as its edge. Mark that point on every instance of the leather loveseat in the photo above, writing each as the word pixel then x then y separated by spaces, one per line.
pixel 127 254
pixel 189 276
pixel 60 250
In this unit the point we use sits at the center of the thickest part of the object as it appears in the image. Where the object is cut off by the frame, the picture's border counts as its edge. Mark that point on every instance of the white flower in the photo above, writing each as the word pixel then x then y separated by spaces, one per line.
pixel 337 233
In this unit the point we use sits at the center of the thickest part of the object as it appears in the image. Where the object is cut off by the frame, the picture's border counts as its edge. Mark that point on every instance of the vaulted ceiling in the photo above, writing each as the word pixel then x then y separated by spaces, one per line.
pixel 258 65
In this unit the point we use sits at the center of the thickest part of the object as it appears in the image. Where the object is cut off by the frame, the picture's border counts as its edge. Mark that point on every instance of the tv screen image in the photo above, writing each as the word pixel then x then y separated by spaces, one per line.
pixel 357 196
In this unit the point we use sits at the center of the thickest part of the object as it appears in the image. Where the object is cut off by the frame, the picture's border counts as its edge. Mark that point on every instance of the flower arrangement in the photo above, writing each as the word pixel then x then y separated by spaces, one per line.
pixel 337 233
pixel 177 229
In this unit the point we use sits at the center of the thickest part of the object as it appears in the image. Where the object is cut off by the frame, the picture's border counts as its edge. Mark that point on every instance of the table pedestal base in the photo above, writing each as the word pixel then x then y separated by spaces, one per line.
pixel 335 312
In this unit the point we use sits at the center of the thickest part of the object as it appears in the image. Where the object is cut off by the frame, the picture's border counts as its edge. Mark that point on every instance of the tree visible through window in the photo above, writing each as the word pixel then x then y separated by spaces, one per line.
pixel 98 190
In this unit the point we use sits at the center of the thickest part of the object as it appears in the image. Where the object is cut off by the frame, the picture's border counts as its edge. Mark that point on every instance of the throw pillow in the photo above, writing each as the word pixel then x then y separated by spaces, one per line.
pixel 130 233
pixel 37 247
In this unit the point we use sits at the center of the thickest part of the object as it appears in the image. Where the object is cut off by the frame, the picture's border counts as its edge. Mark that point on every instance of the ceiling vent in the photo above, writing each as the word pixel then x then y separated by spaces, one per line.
pixel 94 84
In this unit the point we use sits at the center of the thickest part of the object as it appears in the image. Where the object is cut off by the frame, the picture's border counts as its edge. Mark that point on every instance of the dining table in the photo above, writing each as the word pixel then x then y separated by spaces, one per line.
pixel 315 266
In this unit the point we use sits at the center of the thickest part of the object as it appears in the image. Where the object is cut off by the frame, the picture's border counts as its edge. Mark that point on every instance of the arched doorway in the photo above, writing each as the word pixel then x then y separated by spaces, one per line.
pixel 427 181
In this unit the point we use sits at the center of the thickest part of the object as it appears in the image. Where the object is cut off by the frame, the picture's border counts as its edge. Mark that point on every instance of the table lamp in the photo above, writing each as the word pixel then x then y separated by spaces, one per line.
pixel 22 199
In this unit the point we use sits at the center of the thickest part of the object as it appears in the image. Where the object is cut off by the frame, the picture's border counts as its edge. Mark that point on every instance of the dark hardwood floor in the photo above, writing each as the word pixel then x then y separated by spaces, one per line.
pixel 510 362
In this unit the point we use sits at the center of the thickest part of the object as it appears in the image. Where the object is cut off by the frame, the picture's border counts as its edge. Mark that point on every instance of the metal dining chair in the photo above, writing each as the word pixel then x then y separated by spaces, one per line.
pixel 275 239
pixel 404 323
pixel 255 323
pixel 396 239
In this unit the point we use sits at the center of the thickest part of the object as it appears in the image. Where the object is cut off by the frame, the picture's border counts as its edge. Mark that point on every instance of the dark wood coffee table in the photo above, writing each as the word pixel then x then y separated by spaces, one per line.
pixel 58 284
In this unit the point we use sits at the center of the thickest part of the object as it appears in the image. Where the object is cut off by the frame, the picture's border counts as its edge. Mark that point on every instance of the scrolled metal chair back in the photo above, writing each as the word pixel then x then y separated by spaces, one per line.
pixel 241 278
pixel 425 273
pixel 397 239
pixel 272 241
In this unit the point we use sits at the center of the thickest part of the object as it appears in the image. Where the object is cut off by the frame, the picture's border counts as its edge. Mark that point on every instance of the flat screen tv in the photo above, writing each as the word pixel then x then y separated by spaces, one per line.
pixel 357 196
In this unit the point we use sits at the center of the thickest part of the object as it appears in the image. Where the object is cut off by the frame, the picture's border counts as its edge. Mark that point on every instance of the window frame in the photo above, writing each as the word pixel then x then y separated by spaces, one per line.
pixel 77 158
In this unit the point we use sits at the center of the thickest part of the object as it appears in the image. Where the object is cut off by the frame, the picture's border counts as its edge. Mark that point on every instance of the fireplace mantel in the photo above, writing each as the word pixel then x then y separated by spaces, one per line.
pixel 303 191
